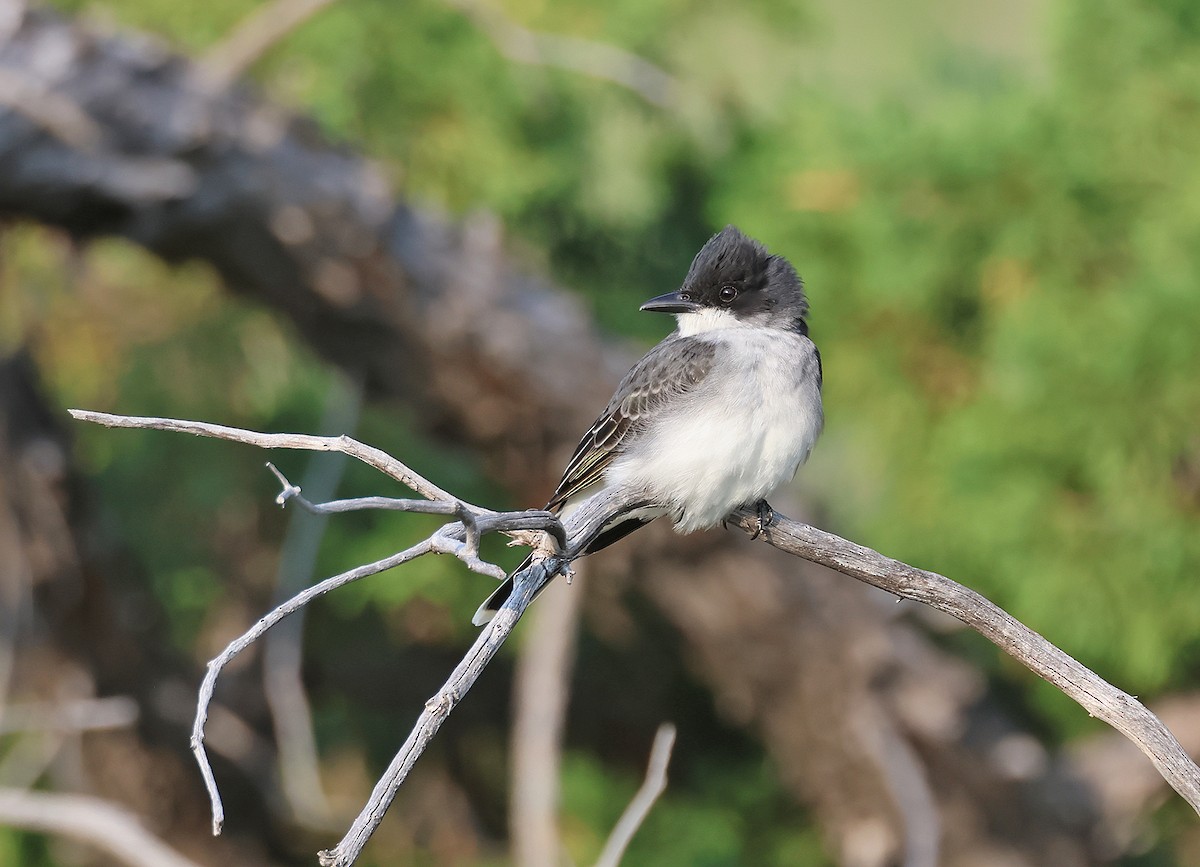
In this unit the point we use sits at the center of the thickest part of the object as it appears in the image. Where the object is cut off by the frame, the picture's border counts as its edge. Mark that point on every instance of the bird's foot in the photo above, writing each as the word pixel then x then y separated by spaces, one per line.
pixel 765 516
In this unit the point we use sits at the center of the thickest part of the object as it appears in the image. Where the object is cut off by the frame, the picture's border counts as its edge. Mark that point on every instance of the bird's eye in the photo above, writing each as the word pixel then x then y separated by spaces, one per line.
pixel 727 294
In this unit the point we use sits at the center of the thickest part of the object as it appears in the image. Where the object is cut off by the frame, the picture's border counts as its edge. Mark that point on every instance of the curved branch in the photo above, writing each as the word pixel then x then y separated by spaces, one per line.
pixel 251 635
pixel 1097 696
pixel 1100 698
pixel 369 455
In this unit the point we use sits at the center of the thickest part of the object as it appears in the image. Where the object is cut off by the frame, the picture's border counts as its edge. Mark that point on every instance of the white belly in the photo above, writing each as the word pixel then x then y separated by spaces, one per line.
pixel 743 432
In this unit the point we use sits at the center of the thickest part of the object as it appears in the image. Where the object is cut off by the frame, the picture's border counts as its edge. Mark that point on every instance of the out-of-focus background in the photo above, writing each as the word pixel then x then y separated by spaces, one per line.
pixel 430 224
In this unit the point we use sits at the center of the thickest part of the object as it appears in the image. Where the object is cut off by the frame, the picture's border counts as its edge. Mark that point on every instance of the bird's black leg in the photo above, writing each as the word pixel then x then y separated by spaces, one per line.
pixel 765 515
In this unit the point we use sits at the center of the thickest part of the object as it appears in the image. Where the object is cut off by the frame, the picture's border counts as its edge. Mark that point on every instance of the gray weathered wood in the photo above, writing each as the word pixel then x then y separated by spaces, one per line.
pixel 1097 696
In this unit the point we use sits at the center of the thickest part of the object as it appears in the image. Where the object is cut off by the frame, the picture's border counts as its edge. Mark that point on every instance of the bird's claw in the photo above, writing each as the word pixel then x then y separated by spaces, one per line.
pixel 765 516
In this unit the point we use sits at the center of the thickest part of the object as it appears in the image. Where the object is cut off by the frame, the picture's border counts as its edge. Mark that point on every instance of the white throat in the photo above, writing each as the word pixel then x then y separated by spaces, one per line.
pixel 706 319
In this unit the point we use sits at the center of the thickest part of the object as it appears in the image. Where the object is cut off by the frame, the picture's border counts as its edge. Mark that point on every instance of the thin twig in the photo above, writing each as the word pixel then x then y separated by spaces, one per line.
pixel 255 632
pixel 439 542
pixel 476 522
pixel 639 808
pixel 369 455
pixel 1097 696
pixel 92 820
pixel 581 527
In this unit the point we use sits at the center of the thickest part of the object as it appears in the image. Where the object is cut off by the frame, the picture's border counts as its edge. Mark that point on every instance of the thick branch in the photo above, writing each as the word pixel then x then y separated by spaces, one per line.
pixel 1097 696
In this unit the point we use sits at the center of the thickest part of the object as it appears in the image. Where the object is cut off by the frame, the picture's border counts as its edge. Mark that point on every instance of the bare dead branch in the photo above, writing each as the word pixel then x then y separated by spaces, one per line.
pixel 92 820
pixel 477 520
pixel 438 708
pixel 254 35
pixel 585 56
pixel 370 456
pixel 1098 697
pixel 582 525
pixel 292 493
pixel 458 538
pixel 253 634
pixel 639 808
pixel 1125 786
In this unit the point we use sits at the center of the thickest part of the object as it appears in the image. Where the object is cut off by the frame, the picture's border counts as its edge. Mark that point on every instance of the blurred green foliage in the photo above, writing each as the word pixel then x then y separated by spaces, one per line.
pixel 1002 248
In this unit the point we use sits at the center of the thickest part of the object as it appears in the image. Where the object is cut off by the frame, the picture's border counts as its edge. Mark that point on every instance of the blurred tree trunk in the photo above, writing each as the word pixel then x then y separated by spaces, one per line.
pixel 894 743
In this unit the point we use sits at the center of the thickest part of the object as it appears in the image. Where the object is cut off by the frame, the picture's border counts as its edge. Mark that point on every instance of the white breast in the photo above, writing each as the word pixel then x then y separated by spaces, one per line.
pixel 743 432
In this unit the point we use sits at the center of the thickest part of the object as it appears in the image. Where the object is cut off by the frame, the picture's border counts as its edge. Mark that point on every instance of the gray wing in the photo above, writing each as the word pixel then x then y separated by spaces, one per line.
pixel 672 368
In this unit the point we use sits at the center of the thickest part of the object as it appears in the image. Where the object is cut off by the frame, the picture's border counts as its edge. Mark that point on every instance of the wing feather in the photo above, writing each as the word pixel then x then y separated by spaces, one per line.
pixel 669 370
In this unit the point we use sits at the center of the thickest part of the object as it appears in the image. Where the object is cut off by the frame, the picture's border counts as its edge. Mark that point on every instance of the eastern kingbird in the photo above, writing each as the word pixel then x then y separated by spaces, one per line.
pixel 719 414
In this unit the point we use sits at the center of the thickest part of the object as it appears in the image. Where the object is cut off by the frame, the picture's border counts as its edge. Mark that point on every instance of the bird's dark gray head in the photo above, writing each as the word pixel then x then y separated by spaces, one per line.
pixel 735 281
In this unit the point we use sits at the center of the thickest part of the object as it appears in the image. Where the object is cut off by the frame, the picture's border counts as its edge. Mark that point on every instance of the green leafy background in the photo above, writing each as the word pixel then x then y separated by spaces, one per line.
pixel 995 207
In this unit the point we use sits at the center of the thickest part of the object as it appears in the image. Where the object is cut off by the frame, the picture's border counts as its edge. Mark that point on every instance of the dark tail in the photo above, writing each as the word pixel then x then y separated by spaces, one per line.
pixel 494 602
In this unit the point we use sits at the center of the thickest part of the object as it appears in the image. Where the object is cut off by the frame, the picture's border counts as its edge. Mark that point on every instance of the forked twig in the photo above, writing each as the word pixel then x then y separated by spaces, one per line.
pixel 556 547
pixel 459 538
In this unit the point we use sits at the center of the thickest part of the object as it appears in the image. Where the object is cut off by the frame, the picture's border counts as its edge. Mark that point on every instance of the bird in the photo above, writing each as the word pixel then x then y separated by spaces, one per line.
pixel 716 416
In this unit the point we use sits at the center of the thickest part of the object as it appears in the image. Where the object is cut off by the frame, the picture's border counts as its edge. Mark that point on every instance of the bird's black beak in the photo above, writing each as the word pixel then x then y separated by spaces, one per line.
pixel 672 302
